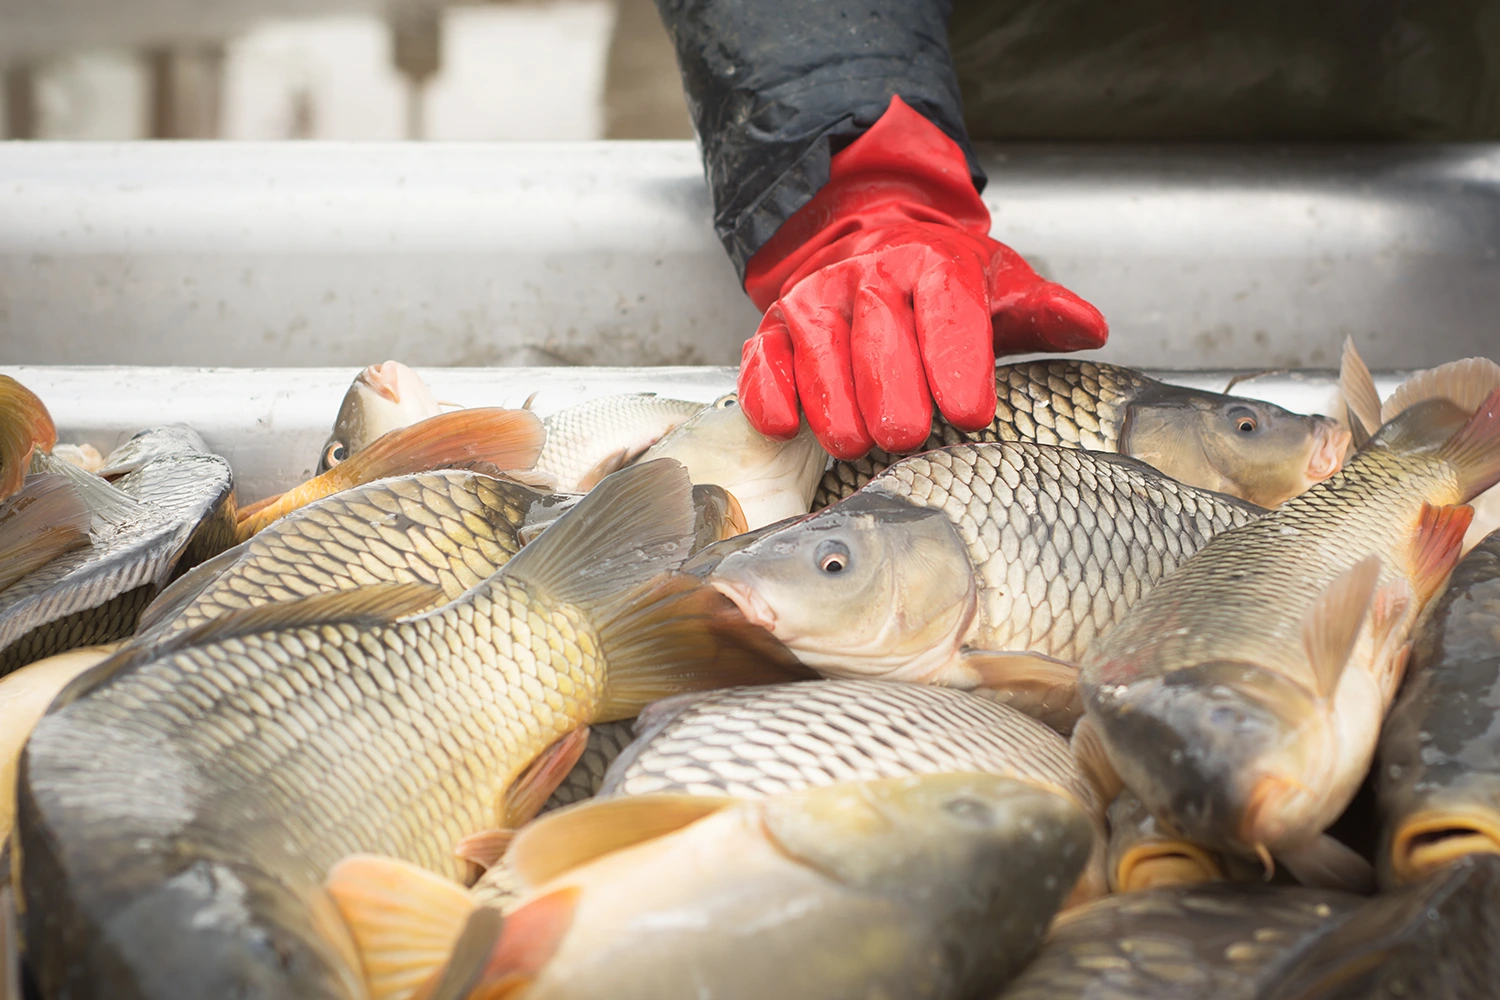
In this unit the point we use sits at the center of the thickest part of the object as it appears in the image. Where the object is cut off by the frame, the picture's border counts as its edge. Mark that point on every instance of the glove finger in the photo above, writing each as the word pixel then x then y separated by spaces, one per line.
pixel 816 313
pixel 768 384
pixel 951 305
pixel 1050 318
pixel 889 384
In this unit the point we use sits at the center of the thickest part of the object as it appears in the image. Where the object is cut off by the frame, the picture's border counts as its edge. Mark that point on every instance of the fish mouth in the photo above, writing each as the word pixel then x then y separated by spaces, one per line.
pixel 754 607
pixel 1430 841
pixel 1327 457
pixel 1263 823
pixel 385 379
pixel 1151 866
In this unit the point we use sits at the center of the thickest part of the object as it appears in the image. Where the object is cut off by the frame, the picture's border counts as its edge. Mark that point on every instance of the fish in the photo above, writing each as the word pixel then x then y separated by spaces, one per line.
pixel 1438 776
pixel 45 519
pixel 495 438
pixel 84 456
pixel 991 566
pixel 382 398
pixel 1213 941
pixel 1241 698
pixel 1438 939
pixel 605 743
pixel 755 742
pixel 171 510
pixel 917 887
pixel 25 425
pixel 718 516
pixel 178 812
pixel 1246 448
pixel 449 529
pixel 771 479
pixel 1144 855
pixel 588 441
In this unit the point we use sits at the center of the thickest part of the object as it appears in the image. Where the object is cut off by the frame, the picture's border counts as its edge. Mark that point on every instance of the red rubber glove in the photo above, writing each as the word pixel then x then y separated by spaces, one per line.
pixel 885 292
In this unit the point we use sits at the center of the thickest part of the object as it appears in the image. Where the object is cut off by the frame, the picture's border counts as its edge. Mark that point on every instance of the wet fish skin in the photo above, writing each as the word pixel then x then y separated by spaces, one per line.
pixel 1439 759
pixel 1207 697
pixel 1216 941
pixel 174 509
pixel 235 769
pixel 382 398
pixel 1247 448
pixel 611 429
pixel 981 547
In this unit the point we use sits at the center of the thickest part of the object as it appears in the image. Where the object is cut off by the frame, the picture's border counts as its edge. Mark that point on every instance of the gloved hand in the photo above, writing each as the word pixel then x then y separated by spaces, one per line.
pixel 885 292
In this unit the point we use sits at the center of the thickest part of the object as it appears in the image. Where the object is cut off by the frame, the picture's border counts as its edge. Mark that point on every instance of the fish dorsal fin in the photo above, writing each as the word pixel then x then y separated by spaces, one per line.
pixel 1466 382
pixel 109 505
pixel 172 601
pixel 563 840
pixel 25 425
pixel 374 604
pixel 534 479
pixel 522 945
pixel 1331 628
pixel 46 518
pixel 1474 452
pixel 404 919
pixel 1360 396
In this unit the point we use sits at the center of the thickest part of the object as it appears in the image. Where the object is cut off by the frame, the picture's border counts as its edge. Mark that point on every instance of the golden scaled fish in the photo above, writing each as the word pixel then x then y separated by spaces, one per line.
pixel 382 398
pixel 990 566
pixel 177 813
pixel 1242 697
pixel 25 425
pixel 1439 763
pixel 930 886
pixel 1250 449
pixel 588 441
pixel 491 437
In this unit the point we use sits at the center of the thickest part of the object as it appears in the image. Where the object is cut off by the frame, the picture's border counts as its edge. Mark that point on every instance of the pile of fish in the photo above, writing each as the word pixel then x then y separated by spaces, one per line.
pixel 1139 692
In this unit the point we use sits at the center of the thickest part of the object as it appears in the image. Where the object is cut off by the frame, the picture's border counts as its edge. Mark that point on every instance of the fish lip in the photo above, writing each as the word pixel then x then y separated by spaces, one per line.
pixel 1183 857
pixel 385 379
pixel 1327 456
pixel 754 607
pixel 1466 832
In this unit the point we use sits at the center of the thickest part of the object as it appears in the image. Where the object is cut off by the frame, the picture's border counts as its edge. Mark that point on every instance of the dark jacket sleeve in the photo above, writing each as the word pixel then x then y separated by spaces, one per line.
pixel 776 87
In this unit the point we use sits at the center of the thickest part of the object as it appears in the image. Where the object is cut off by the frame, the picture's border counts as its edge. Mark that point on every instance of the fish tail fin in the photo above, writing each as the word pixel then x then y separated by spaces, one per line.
pixel 1465 383
pixel 1474 452
pixel 25 424
pixel 510 439
pixel 45 519
pixel 1361 399
pixel 404 920
pixel 661 632
pixel 497 958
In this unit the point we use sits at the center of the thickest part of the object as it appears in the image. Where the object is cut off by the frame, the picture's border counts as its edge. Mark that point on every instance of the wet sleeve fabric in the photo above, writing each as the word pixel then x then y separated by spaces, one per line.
pixel 777 87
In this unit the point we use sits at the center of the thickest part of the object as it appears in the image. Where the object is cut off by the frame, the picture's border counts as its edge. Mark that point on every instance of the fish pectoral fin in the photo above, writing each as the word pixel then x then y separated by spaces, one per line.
pixel 1089 754
pixel 1437 546
pixel 608 465
pixel 1388 622
pixel 1324 863
pixel 485 848
pixel 1041 686
pixel 529 792
pixel 520 946
pixel 1333 624
pixel 565 839
pixel 1360 396
pixel 1465 382
pixel 46 518
pixel 404 919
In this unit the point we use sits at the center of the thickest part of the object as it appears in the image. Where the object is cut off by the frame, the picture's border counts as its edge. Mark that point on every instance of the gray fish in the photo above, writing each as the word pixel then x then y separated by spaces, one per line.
pixel 1439 759
pixel 172 509
pixel 594 438
pixel 1244 447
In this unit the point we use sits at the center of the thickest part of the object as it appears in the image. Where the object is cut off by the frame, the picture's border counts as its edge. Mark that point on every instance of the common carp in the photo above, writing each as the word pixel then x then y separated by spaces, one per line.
pixel 1242 697
pixel 1250 449
pixel 178 812
pixel 382 398
pixel 25 425
pixel 588 441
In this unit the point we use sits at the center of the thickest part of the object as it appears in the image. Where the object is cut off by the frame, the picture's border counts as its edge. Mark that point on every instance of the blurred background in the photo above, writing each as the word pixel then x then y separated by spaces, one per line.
pixel 337 69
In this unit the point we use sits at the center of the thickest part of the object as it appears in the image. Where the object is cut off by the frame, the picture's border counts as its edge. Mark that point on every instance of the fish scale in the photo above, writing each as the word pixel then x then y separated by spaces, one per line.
pixel 1076 404
pixel 1063 540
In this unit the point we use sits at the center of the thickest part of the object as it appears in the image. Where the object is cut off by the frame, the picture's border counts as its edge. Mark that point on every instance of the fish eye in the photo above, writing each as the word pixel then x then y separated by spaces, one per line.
pixel 1243 419
pixel 833 557
pixel 334 453
pixel 730 400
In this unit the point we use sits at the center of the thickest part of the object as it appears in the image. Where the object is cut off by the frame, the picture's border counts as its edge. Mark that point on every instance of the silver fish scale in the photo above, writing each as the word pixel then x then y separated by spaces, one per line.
pixel 1069 403
pixel 582 436
pixel 1063 541
pixel 754 742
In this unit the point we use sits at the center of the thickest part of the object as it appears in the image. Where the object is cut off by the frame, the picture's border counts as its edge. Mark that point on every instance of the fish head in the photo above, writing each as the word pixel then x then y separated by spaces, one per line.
pixel 870 588
pixel 1219 752
pixel 772 479
pixel 1444 822
pixel 382 398
pixel 961 855
pixel 151 444
pixel 1246 448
